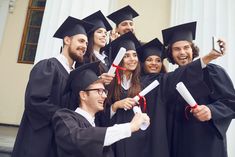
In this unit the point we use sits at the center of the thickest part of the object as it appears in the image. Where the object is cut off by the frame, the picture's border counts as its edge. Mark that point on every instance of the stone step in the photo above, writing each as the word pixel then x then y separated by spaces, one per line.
pixel 7 138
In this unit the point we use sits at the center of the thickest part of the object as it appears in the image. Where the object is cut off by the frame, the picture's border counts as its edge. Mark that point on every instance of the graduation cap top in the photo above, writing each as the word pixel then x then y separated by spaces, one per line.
pixel 125 13
pixel 72 26
pixel 154 47
pixel 98 20
pixel 80 78
pixel 185 31
pixel 127 40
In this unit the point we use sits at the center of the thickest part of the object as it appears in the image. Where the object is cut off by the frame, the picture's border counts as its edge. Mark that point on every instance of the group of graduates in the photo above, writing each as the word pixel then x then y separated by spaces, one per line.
pixel 75 108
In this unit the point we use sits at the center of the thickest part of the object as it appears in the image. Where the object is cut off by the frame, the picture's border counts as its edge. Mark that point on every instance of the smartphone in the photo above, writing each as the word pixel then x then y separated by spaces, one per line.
pixel 216 45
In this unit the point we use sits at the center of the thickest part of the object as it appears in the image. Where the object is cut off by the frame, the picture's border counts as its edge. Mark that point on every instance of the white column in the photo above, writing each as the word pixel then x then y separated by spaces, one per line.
pixel 56 12
pixel 4 7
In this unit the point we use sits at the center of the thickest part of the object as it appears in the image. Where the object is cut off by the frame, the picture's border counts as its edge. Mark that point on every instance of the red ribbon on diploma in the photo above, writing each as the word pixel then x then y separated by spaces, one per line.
pixel 144 102
pixel 188 108
pixel 117 72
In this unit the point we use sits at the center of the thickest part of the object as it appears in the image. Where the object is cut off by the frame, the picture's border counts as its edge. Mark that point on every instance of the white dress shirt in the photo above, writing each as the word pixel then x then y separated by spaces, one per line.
pixel 63 60
pixel 113 133
pixel 100 56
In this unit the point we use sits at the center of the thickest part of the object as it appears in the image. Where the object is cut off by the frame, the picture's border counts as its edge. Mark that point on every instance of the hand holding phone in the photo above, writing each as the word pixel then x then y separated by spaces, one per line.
pixel 217 45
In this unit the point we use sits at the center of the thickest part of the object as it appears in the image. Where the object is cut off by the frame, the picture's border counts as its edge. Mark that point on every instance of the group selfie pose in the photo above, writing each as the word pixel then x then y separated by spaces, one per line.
pixel 91 100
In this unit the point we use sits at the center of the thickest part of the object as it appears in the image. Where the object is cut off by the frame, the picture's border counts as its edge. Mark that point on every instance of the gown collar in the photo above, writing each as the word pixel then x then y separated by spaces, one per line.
pixel 86 115
pixel 64 61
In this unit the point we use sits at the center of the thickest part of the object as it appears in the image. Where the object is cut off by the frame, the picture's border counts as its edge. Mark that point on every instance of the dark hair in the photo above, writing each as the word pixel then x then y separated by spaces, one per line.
pixel 115 89
pixel 169 56
pixel 90 56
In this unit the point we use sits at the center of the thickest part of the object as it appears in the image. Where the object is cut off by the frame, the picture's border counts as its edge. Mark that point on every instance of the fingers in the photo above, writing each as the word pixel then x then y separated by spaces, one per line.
pixel 106 78
pixel 114 35
pixel 138 120
pixel 222 45
pixel 126 104
pixel 202 113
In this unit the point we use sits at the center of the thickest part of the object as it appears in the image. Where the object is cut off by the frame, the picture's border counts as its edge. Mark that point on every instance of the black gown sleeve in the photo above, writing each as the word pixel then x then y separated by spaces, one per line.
pixel 75 135
pixel 223 98
pixel 39 98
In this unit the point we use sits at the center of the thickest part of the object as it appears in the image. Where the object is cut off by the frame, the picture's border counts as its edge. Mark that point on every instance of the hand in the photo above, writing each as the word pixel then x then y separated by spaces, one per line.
pixel 126 103
pixel 113 35
pixel 202 113
pixel 211 56
pixel 106 78
pixel 138 120
pixel 214 54
pixel 222 45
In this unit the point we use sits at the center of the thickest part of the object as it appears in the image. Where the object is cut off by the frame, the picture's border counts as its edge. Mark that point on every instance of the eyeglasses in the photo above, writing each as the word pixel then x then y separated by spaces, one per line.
pixel 99 90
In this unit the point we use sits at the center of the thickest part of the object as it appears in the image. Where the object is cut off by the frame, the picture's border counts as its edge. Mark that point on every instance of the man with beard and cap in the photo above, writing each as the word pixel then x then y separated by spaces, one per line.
pixel 123 18
pixel 75 131
pixel 45 90
pixel 203 131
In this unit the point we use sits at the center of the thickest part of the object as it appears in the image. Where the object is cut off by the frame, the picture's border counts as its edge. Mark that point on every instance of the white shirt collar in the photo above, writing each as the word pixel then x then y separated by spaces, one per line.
pixel 64 61
pixel 126 84
pixel 100 56
pixel 86 115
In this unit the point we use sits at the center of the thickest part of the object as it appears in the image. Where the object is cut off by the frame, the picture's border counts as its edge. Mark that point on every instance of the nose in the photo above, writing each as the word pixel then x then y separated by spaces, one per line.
pixel 154 62
pixel 129 27
pixel 182 51
pixel 104 34
pixel 84 46
pixel 104 95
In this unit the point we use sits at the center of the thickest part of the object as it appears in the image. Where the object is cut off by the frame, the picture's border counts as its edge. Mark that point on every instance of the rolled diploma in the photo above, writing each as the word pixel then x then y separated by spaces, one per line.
pixel 117 60
pixel 180 87
pixel 136 109
pixel 147 89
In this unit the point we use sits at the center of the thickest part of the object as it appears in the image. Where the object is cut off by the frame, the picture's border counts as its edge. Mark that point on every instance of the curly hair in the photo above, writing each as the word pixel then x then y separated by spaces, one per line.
pixel 169 56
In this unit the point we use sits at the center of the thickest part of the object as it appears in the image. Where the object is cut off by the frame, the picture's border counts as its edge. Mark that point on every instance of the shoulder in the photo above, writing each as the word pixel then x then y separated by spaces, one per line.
pixel 51 62
pixel 64 112
pixel 218 74
pixel 46 66
pixel 215 69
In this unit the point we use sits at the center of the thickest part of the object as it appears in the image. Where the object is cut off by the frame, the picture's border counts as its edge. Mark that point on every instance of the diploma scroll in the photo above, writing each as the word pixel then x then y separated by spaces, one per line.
pixel 147 89
pixel 180 87
pixel 117 60
pixel 136 109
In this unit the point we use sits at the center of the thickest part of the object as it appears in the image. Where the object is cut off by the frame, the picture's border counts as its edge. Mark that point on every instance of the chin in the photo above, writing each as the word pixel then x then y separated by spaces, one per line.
pixel 101 108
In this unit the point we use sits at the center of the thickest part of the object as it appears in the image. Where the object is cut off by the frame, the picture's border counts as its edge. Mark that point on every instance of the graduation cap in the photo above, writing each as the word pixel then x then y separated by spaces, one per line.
pixel 98 20
pixel 185 31
pixel 80 78
pixel 128 41
pixel 125 13
pixel 154 47
pixel 72 26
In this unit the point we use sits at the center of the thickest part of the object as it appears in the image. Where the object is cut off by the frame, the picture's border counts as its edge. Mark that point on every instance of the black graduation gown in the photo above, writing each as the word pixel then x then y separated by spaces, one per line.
pixel 156 107
pixel 75 137
pixel 43 97
pixel 134 146
pixel 104 67
pixel 193 138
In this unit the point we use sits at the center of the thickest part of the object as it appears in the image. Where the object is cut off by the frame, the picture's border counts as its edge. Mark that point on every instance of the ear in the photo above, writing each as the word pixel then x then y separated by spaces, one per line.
pixel 82 95
pixel 67 40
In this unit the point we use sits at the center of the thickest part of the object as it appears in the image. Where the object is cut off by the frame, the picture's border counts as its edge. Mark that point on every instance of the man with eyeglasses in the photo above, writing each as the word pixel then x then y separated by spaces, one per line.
pixel 75 131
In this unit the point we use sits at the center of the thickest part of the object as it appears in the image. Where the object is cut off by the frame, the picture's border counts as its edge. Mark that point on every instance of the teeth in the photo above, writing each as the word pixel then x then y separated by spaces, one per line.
pixel 182 57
